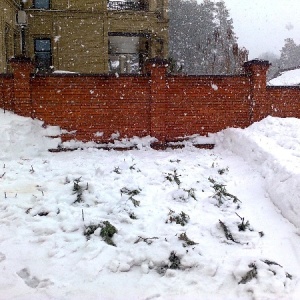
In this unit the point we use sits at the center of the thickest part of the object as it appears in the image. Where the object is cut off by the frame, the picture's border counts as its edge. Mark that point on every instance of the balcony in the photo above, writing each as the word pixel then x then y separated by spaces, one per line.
pixel 127 5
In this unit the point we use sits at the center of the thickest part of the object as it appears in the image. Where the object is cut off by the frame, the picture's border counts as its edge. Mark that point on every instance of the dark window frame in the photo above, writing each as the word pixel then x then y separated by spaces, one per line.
pixel 141 56
pixel 35 6
pixel 43 66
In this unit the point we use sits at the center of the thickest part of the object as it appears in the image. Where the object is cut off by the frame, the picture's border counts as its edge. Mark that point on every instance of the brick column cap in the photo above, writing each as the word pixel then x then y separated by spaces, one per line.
pixel 157 61
pixel 21 59
pixel 257 62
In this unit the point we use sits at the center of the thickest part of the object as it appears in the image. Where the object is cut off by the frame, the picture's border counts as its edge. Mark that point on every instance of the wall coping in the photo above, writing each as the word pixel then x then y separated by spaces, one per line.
pixel 157 61
pixel 259 62
pixel 21 59
pixel 283 87
pixel 206 76
pixel 6 75
pixel 100 75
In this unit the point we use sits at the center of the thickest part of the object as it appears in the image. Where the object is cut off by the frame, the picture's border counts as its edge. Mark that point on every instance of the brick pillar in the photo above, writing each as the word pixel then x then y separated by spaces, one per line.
pixel 158 69
pixel 22 102
pixel 260 106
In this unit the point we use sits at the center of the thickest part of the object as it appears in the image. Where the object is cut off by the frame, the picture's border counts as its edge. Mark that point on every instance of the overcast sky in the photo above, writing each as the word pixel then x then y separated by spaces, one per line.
pixel 262 25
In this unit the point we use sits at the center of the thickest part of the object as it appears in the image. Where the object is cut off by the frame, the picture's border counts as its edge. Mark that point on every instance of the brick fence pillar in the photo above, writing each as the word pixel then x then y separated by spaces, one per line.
pixel 260 106
pixel 22 102
pixel 158 69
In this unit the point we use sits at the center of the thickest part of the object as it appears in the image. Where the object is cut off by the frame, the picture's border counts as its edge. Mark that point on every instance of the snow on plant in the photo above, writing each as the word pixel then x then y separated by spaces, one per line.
pixel 181 218
pixel 187 241
pixel 104 229
pixel 221 194
pixel 131 193
pixel 262 276
pixel 78 190
pixel 239 232
pixel 173 177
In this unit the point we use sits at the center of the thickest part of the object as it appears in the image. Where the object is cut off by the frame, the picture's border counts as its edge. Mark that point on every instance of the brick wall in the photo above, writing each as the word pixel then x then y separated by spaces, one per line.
pixel 285 101
pixel 93 104
pixel 6 91
pixel 167 107
pixel 203 104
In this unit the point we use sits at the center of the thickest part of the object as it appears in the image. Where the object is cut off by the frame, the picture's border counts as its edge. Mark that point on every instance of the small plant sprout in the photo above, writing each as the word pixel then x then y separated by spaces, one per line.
pixel 187 241
pixel 131 193
pixel 117 170
pixel 191 193
pixel 107 231
pixel 78 190
pixel 133 168
pixel 223 171
pixel 175 262
pixel 181 218
pixel 132 215
pixel 252 273
pixel 173 177
pixel 244 225
pixel 221 193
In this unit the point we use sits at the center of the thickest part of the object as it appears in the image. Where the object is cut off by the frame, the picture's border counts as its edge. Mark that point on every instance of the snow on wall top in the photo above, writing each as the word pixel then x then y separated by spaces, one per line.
pixel 288 78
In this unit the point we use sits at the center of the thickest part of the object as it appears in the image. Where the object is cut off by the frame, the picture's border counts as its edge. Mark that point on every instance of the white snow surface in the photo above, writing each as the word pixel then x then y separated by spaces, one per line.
pixel 289 78
pixel 49 200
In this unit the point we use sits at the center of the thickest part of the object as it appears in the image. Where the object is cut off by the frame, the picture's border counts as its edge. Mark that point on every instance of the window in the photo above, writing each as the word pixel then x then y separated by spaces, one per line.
pixel 137 5
pixel 41 4
pixel 127 52
pixel 43 57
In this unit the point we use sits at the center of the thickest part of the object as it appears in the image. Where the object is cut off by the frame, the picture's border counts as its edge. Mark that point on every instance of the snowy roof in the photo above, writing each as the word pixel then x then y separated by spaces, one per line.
pixel 289 77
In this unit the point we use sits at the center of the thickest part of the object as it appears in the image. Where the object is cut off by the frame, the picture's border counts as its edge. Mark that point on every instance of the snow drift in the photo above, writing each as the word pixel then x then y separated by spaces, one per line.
pixel 273 147
pixel 24 136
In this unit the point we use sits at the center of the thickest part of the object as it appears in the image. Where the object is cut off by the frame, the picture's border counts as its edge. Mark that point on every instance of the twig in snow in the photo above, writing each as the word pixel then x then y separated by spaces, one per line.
pixel 146 240
pixel 227 232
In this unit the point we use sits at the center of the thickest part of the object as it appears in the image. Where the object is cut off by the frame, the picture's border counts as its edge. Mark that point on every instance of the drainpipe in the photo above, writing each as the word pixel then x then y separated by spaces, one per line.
pixel 22 22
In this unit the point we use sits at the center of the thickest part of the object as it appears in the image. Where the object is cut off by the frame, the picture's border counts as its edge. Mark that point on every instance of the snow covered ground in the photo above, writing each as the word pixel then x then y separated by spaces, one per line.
pixel 146 224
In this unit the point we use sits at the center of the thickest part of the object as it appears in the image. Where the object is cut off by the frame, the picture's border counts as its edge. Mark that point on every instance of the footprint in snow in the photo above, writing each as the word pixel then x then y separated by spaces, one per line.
pixel 33 281
pixel 2 256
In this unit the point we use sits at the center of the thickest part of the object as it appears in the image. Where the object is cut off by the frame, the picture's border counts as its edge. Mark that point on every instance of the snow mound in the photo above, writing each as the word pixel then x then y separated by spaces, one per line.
pixel 291 77
pixel 25 137
pixel 273 147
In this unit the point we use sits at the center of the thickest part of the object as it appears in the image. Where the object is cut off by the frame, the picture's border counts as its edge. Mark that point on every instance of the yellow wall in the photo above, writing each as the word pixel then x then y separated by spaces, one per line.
pixel 79 31
pixel 9 34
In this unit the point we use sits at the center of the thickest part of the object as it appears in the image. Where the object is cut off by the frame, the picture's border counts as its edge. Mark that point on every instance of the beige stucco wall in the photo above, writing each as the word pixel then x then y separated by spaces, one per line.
pixel 9 34
pixel 79 31
pixel 77 39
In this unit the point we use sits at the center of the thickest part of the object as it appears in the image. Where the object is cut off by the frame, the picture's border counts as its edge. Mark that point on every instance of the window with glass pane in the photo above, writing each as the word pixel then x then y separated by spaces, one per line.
pixel 42 4
pixel 127 53
pixel 43 57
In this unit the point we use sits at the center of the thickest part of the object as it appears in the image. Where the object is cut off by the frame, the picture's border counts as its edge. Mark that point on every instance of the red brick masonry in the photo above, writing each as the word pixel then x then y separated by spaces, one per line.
pixel 157 104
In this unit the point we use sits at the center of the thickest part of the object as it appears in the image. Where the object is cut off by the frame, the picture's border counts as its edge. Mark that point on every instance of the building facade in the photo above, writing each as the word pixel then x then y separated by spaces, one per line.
pixel 86 36
pixel 10 33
